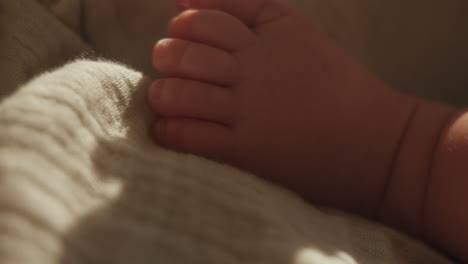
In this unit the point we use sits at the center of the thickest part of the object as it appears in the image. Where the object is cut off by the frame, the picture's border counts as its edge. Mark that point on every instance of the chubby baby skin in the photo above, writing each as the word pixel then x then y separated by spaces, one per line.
pixel 253 84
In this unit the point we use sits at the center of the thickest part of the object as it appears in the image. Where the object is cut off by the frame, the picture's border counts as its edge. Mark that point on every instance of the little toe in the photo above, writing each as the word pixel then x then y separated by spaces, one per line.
pixel 211 27
pixel 198 137
pixel 251 12
pixel 191 99
pixel 191 60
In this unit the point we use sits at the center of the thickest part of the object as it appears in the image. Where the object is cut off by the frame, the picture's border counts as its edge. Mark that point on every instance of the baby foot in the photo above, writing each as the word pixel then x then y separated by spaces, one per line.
pixel 253 84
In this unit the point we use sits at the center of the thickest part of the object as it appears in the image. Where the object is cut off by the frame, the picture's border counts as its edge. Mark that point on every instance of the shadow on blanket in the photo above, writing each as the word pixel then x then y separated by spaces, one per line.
pixel 166 217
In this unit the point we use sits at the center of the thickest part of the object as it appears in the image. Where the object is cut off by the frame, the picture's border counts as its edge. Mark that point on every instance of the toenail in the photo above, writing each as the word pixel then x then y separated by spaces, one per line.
pixel 163 49
pixel 161 46
pixel 156 90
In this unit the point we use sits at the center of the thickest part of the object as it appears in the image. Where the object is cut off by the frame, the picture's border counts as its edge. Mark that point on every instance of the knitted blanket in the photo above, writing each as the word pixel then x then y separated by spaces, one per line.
pixel 82 182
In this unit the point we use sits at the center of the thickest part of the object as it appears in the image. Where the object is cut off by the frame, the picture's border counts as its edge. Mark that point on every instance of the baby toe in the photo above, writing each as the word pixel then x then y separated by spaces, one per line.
pixel 195 61
pixel 251 12
pixel 211 27
pixel 191 99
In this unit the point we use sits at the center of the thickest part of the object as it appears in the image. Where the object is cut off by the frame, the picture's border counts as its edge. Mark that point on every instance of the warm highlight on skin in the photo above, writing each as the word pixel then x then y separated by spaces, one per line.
pixel 253 84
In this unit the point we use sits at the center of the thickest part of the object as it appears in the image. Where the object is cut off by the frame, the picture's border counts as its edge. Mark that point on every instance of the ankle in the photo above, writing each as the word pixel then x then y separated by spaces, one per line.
pixel 372 135
pixel 404 199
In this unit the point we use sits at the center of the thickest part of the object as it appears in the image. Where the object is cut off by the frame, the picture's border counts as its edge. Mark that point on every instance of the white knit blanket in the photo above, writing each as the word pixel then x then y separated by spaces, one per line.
pixel 81 181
